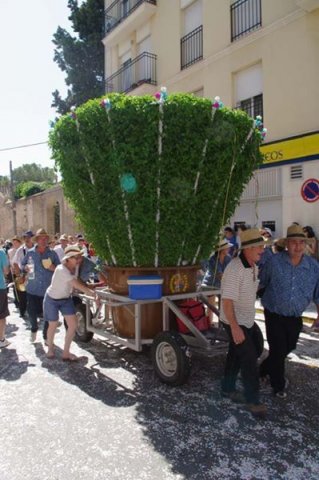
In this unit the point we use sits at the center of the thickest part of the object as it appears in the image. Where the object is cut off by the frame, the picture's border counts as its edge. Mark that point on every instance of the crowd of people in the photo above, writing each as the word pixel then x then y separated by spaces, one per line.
pixel 43 273
pixel 284 273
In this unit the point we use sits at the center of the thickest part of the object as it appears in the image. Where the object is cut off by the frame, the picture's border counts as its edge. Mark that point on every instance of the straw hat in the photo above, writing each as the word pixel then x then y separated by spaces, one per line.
pixel 251 238
pixel 17 239
pixel 280 242
pixel 295 232
pixel 63 237
pixel 223 245
pixel 72 251
pixel 41 233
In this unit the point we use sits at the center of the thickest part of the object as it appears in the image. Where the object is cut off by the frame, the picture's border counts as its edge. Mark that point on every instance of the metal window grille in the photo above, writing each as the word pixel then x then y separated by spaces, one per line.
pixel 119 10
pixel 252 106
pixel 265 184
pixel 245 16
pixel 133 73
pixel 296 172
pixel 192 47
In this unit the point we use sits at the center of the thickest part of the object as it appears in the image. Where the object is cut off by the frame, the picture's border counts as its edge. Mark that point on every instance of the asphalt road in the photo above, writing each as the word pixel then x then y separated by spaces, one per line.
pixel 109 417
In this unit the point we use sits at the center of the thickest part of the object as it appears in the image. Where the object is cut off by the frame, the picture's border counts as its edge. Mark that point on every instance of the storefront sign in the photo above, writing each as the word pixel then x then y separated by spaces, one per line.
pixel 301 148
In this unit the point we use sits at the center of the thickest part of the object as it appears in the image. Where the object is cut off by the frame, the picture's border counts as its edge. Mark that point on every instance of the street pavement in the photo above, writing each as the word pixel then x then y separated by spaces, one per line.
pixel 109 417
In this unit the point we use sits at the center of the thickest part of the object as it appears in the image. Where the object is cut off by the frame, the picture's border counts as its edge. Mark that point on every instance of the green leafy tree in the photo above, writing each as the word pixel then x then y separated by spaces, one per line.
pixel 81 57
pixel 26 189
pixel 33 172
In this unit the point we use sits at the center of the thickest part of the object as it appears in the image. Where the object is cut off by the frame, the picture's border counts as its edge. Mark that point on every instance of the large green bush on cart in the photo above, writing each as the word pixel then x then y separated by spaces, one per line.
pixel 152 181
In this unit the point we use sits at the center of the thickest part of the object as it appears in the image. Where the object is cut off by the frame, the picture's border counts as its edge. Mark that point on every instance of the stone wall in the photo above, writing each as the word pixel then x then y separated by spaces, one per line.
pixel 49 210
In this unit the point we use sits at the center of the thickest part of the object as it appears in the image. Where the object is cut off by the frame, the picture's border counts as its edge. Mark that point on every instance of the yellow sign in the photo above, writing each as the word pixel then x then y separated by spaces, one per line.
pixel 291 149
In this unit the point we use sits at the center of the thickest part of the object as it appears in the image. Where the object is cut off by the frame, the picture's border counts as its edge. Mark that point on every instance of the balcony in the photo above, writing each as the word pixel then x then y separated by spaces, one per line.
pixel 245 17
pixel 132 74
pixel 192 47
pixel 119 10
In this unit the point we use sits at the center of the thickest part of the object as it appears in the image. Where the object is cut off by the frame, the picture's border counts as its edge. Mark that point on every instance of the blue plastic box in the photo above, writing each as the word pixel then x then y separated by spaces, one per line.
pixel 145 287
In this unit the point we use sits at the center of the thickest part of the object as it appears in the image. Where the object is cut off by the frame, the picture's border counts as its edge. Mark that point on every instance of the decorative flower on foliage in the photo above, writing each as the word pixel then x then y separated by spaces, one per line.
pixel 258 122
pixel 161 96
pixel 106 103
pixel 73 114
pixel 128 183
pixel 217 103
pixel 259 125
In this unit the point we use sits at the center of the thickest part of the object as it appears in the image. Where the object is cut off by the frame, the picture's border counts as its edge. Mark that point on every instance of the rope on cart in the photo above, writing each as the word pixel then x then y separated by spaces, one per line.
pixel 125 207
pixel 77 123
pixel 227 195
pixel 201 163
pixel 160 150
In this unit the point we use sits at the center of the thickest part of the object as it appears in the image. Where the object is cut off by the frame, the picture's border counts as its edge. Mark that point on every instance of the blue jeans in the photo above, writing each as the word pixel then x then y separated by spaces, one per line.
pixel 52 307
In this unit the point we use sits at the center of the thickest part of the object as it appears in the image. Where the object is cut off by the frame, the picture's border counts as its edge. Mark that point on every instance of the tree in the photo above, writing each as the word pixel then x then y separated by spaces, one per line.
pixel 81 57
pixel 26 189
pixel 34 173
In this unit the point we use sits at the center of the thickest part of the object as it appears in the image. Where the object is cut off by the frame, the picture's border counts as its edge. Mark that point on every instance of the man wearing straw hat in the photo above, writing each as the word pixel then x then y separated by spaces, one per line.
pixel 42 260
pixel 215 269
pixel 291 281
pixel 58 299
pixel 238 293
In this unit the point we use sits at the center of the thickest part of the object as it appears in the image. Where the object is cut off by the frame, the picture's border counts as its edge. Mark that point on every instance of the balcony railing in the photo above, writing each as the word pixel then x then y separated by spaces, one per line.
pixel 245 17
pixel 252 106
pixel 133 74
pixel 192 47
pixel 119 10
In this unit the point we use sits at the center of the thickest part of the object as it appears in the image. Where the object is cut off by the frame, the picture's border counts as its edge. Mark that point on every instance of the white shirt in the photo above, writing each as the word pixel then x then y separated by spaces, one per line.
pixel 19 255
pixel 59 251
pixel 61 283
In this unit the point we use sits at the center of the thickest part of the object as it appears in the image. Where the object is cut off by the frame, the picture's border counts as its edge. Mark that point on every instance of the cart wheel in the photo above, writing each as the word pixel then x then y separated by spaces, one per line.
pixel 171 358
pixel 81 333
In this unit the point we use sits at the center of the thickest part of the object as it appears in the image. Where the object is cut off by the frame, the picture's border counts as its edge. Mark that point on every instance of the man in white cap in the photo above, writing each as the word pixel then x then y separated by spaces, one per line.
pixel 63 243
pixel 238 294
pixel 290 280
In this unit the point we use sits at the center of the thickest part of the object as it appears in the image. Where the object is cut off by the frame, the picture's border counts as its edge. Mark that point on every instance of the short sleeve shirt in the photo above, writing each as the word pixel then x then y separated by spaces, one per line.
pixel 240 284
pixel 61 284
pixel 4 262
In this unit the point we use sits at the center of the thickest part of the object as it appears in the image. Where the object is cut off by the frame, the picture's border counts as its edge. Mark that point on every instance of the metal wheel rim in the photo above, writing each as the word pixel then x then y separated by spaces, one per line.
pixel 166 359
pixel 81 327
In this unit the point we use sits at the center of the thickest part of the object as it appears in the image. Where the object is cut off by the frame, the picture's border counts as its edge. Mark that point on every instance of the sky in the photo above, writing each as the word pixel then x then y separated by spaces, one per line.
pixel 28 77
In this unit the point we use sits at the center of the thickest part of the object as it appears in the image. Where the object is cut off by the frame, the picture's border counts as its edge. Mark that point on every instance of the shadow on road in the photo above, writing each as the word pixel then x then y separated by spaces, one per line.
pixel 90 380
pixel 202 436
pixel 12 365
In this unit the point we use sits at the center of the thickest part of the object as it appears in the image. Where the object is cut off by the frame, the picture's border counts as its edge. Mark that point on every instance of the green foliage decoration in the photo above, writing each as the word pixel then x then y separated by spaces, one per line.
pixel 153 182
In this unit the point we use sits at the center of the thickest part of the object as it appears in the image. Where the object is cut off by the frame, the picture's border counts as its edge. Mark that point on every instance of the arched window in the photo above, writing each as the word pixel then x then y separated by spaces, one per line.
pixel 57 217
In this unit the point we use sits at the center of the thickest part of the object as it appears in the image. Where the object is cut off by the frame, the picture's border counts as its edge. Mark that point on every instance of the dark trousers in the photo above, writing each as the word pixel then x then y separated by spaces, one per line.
pixel 282 335
pixel 35 310
pixel 22 302
pixel 243 358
